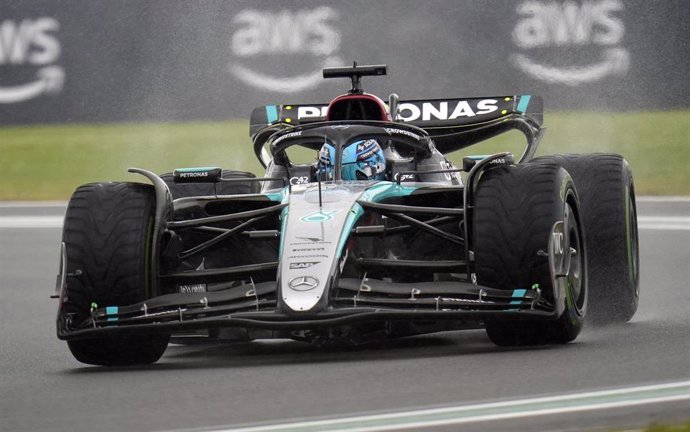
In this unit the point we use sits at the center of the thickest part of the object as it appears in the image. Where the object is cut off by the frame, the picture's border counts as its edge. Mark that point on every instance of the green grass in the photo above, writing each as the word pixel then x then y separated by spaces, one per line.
pixel 680 427
pixel 49 162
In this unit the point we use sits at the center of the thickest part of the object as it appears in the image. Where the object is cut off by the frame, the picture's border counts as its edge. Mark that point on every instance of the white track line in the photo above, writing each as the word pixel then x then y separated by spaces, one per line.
pixel 663 199
pixel 32 204
pixel 18 222
pixel 425 418
pixel 672 223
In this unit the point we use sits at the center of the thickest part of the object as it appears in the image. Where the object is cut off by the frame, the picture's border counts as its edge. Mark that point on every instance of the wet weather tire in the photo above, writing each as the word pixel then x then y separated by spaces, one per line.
pixel 107 235
pixel 516 208
pixel 607 196
pixel 182 190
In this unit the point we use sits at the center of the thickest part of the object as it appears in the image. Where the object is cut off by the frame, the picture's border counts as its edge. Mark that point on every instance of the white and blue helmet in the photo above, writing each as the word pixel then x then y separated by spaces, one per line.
pixel 361 160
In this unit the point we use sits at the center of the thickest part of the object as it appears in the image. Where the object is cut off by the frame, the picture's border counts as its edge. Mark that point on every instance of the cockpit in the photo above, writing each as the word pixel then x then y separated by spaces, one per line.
pixel 356 139
pixel 361 106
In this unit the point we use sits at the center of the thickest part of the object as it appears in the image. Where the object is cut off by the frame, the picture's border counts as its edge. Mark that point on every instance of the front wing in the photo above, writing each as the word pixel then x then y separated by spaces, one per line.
pixel 253 306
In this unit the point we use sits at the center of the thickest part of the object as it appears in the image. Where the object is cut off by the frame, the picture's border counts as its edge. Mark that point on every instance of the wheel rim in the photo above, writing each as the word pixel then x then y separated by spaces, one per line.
pixel 576 268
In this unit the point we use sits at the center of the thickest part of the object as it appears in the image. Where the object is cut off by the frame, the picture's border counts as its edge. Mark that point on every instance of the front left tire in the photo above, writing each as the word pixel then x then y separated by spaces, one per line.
pixel 607 195
pixel 516 208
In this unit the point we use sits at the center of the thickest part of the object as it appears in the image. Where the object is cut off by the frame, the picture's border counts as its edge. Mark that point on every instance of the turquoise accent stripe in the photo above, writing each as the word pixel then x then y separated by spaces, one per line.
pixel 276 196
pixel 196 169
pixel 271 113
pixel 283 226
pixel 281 197
pixel 383 190
pixel 355 213
pixel 520 294
pixel 524 101
pixel 376 193
pixel 112 310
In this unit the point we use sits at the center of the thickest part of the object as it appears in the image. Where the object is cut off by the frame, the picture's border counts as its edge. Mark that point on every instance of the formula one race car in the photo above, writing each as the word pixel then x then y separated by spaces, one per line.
pixel 376 236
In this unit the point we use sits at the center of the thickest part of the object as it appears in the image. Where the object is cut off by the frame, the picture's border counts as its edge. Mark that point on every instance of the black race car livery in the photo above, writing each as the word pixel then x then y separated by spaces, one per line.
pixel 408 244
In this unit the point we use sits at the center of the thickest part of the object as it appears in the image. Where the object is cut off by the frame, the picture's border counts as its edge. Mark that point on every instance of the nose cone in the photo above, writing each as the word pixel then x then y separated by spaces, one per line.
pixel 313 239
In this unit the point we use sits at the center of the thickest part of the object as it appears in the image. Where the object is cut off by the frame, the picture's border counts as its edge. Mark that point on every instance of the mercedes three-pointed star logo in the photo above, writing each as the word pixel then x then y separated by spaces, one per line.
pixel 303 283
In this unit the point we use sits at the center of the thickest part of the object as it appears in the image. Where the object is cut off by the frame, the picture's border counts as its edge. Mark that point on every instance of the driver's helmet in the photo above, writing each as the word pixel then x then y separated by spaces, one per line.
pixel 361 160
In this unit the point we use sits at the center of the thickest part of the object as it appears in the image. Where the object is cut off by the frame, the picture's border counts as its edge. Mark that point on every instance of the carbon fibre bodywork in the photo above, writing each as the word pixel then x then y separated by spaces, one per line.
pixel 333 260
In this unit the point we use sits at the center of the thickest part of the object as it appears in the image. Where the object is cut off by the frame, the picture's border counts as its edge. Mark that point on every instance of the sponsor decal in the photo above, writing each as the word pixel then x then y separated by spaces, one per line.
pixel 30 45
pixel 284 35
pixel 192 289
pixel 309 241
pixel 558 40
pixel 308 256
pixel 303 265
pixel 459 300
pixel 193 174
pixel 446 165
pixel 404 177
pixel 303 283
pixel 445 110
pixel 299 180
pixel 312 112
pixel 394 131
pixel 319 216
pixel 286 136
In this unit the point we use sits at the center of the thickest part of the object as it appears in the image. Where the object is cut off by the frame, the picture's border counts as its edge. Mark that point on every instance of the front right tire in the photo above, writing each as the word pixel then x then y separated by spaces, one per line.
pixel 107 235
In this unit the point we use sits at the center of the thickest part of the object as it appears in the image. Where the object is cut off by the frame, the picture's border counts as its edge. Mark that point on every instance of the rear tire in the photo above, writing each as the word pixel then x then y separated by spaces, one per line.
pixel 107 234
pixel 183 190
pixel 515 211
pixel 607 194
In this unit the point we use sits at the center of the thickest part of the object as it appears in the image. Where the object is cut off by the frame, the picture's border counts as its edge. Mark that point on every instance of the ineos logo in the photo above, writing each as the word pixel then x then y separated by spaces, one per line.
pixel 546 28
pixel 303 283
pixel 279 36
pixel 33 43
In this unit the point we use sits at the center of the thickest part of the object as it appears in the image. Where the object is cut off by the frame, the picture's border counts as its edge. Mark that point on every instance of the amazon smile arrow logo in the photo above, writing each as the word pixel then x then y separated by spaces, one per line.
pixel 291 84
pixel 30 42
pixel 49 80
pixel 616 61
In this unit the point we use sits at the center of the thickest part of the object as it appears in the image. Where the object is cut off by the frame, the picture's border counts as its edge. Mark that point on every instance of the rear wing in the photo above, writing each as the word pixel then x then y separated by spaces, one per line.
pixel 427 114
pixel 453 123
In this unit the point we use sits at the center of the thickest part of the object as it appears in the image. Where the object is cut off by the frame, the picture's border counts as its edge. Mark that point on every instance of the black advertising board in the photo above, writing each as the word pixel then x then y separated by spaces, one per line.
pixel 84 61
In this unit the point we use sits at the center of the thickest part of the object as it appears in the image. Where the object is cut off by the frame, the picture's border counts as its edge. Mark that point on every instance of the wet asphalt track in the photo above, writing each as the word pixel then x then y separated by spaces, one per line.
pixel 43 388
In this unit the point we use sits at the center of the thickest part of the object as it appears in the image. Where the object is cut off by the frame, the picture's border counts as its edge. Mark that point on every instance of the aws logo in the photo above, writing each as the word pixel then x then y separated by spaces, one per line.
pixel 284 51
pixel 30 45
pixel 570 42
